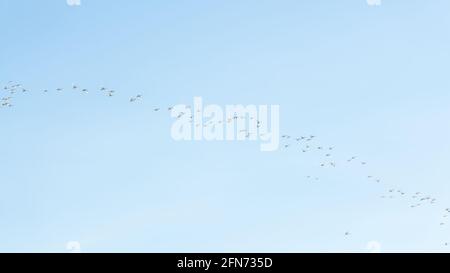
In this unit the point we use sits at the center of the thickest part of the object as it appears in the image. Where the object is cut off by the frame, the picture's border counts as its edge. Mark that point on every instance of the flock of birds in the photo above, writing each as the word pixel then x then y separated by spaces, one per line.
pixel 304 144
pixel 414 199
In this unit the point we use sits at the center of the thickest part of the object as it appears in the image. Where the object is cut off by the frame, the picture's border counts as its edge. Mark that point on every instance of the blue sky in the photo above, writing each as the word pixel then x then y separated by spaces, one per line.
pixel 370 81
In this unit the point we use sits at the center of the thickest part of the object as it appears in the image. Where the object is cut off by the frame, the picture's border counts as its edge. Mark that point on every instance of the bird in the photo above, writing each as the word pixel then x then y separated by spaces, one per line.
pixel 420 199
pixel 351 159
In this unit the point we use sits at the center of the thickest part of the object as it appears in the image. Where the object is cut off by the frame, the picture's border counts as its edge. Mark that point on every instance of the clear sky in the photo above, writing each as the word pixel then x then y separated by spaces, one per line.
pixel 371 81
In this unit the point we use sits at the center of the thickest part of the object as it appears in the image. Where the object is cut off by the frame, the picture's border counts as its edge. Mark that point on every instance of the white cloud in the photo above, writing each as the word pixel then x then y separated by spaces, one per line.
pixel 73 2
pixel 373 2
